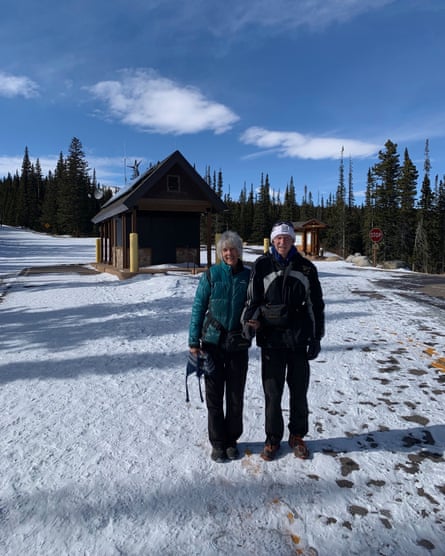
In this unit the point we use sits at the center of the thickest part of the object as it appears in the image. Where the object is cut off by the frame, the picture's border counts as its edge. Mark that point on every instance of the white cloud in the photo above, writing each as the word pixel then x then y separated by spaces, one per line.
pixel 17 85
pixel 145 100
pixel 112 170
pixel 296 145
pixel 109 170
pixel 10 164
pixel 420 127
pixel 13 164
pixel 232 16
pixel 292 14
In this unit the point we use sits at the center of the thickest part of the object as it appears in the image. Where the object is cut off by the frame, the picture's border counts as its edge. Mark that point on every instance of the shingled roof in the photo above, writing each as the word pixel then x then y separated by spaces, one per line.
pixel 140 187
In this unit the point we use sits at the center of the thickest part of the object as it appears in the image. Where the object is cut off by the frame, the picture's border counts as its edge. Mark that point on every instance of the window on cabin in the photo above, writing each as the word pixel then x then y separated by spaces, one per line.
pixel 173 184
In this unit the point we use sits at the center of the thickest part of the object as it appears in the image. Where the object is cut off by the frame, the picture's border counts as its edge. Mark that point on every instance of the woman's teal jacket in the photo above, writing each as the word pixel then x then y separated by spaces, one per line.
pixel 220 295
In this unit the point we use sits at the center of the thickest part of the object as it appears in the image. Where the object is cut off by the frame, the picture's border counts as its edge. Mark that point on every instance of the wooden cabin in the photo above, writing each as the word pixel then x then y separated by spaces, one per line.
pixel 163 206
pixel 307 236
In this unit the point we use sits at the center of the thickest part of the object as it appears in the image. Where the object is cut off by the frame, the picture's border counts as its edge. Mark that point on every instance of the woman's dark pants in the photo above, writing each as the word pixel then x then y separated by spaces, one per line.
pixel 225 396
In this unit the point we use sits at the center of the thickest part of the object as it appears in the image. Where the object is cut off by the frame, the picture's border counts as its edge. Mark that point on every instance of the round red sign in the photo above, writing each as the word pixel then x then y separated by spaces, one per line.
pixel 376 234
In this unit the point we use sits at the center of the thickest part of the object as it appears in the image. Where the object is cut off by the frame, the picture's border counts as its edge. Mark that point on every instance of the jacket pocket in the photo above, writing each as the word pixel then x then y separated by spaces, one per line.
pixel 275 315
pixel 210 333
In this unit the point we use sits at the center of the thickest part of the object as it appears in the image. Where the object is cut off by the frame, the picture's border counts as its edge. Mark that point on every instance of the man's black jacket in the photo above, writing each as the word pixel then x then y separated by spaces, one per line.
pixel 292 289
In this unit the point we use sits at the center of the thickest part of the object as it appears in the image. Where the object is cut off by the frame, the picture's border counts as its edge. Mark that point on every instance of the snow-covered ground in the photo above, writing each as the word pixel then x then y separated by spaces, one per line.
pixel 100 454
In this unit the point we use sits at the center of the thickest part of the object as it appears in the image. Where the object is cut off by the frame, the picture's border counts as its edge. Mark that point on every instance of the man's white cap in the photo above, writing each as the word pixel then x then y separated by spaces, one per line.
pixel 282 229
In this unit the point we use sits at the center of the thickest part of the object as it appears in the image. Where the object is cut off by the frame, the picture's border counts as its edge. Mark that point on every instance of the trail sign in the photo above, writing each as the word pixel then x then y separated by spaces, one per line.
pixel 376 235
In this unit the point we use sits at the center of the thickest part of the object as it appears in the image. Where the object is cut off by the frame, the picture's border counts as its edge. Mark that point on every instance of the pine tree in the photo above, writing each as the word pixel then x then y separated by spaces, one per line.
pixel 421 248
pixel 250 212
pixel 440 259
pixel 387 199
pixel 407 185
pixel 220 185
pixel 62 223
pixel 289 208
pixel 276 206
pixel 238 213
pixel 207 176
pixel 23 207
pixel 48 217
pixel 36 196
pixel 340 206
pixel 261 218
pixel 425 237
pixel 353 219
pixel 336 234
pixel 74 208
pixel 8 199
pixel 218 220
pixel 426 194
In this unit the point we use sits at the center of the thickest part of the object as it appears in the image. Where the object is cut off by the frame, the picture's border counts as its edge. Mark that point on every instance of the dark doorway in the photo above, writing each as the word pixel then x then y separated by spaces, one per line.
pixel 164 233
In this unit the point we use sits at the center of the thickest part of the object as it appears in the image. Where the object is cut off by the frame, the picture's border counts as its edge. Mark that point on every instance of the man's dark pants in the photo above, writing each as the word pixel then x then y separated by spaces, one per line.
pixel 275 362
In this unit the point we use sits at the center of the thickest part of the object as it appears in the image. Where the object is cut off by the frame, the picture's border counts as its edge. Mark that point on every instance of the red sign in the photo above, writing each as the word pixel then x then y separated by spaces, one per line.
pixel 376 235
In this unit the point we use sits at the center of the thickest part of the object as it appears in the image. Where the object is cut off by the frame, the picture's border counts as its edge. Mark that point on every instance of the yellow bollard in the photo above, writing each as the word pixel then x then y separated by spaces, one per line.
pixel 266 244
pixel 134 254
pixel 98 250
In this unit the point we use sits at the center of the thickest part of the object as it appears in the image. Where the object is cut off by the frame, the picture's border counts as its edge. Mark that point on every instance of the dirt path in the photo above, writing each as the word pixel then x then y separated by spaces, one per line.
pixel 425 288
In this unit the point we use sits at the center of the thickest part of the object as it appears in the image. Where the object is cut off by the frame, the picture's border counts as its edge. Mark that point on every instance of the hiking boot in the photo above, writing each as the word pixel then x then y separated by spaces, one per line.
pixel 232 452
pixel 218 455
pixel 269 451
pixel 298 446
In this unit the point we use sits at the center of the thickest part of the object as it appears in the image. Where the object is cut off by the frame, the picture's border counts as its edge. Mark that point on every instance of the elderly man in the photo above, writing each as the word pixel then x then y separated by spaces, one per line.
pixel 285 306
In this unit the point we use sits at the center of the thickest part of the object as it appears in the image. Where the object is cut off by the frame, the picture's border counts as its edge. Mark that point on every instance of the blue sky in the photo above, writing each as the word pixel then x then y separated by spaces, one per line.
pixel 276 87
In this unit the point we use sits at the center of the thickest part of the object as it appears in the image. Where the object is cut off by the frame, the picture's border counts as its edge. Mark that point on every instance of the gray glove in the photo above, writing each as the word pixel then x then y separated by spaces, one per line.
pixel 248 331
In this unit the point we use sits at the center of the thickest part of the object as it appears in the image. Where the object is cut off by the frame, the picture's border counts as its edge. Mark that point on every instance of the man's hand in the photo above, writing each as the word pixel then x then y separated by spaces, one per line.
pixel 313 349
pixel 249 328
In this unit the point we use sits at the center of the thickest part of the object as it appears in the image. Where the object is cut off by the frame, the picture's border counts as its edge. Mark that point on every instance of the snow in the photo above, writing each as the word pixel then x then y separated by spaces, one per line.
pixel 100 454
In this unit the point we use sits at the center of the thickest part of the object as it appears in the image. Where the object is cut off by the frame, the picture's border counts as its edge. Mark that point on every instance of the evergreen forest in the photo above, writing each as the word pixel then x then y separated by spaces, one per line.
pixel 408 206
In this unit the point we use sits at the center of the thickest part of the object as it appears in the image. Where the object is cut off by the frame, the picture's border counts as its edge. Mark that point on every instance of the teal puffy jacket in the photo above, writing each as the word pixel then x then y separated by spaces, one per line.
pixel 221 295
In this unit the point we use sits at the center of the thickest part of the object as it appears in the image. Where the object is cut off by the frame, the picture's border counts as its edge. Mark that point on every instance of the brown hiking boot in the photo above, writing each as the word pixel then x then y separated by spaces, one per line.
pixel 269 452
pixel 298 446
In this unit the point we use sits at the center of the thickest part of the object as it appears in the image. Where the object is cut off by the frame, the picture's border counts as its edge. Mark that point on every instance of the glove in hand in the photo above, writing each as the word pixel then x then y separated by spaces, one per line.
pixel 313 349
pixel 248 331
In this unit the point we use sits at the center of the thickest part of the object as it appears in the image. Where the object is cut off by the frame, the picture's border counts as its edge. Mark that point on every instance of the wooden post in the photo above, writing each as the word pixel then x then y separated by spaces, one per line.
pixel 209 241
pixel 374 253
pixel 124 242
pixel 134 255
pixel 113 236
pixel 217 238
pixel 98 250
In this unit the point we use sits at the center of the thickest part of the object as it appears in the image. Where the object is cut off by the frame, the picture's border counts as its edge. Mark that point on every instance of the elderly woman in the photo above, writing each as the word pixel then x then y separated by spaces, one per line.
pixel 215 328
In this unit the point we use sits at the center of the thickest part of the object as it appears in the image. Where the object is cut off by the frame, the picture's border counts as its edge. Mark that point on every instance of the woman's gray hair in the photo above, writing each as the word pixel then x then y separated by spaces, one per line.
pixel 229 239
